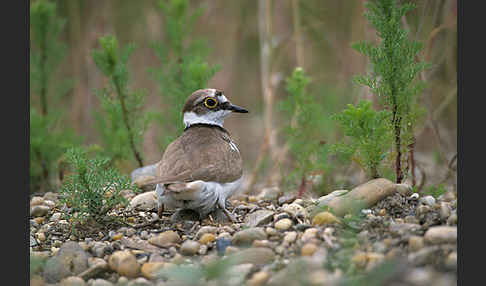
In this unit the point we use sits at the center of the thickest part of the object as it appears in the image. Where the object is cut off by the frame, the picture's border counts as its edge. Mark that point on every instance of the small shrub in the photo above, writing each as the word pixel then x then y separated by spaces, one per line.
pixel 394 69
pixel 122 122
pixel 435 191
pixel 369 136
pixel 184 68
pixel 303 130
pixel 93 188
pixel 48 138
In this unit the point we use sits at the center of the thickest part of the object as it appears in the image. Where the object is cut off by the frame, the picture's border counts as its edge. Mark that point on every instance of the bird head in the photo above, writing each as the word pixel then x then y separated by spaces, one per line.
pixel 208 106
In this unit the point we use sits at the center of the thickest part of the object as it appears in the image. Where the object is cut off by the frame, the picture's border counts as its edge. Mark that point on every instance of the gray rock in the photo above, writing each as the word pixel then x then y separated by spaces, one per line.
pixel 441 234
pixel 99 282
pixel 259 218
pixel 400 229
pixel 140 281
pixel 424 256
pixel 33 241
pixel 72 281
pixel 36 201
pixel 452 220
pixel 324 200
pixel 206 229
pixel 247 236
pixel 428 200
pixel 295 210
pixel 70 260
pixel 237 274
pixel 37 211
pixel 96 267
pixel 145 201
pixel 254 255
pixel 190 247
pixel 445 210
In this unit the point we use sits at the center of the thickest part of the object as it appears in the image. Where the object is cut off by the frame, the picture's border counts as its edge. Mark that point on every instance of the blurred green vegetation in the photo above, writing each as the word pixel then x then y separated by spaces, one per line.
pixel 183 45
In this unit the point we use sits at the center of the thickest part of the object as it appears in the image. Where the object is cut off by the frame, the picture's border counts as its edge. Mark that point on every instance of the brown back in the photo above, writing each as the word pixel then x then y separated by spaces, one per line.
pixel 202 152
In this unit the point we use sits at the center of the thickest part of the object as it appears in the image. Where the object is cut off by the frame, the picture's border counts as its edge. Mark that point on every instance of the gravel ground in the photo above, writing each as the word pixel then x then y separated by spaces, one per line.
pixel 278 240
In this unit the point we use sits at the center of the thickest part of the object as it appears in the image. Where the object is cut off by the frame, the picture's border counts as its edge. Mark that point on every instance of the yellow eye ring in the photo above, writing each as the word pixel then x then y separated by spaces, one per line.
pixel 210 102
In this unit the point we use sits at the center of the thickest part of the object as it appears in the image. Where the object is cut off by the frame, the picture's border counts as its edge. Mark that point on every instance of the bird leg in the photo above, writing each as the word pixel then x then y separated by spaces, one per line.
pixel 230 216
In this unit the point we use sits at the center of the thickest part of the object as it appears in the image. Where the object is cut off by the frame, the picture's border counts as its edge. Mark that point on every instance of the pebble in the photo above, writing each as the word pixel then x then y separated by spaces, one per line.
pixel 41 236
pixel 428 200
pixel 271 231
pixel 125 263
pixel 150 270
pixel 283 224
pixel 452 220
pixel 259 218
pixel 69 260
pixel 424 256
pixel 290 237
pixel 140 281
pixel 190 247
pixel 165 239
pixel 445 210
pixel 247 236
pixel 206 229
pixel 323 218
pixel 309 233
pixel 258 278
pixel 415 243
pixel 144 202
pixel 308 249
pixel 207 238
pixel 221 245
pixel 451 261
pixel 295 210
pixel 99 282
pixel 72 281
pixel 255 255
pixel 36 201
pixel 441 234
pixel 37 211
pixel 203 249
pixel 414 196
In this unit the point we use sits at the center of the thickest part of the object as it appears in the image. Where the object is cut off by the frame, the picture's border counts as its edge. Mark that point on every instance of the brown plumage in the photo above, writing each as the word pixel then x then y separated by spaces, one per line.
pixel 202 152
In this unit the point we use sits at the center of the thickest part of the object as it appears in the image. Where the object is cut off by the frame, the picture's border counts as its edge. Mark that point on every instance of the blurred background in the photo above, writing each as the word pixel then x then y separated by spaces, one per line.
pixel 256 46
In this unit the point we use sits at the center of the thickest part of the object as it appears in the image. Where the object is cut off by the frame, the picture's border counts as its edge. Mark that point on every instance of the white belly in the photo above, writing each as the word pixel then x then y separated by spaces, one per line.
pixel 204 198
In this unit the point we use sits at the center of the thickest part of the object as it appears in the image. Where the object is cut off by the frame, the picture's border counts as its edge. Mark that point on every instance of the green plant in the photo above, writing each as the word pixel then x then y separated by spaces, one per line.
pixel 122 122
pixel 303 129
pixel 435 191
pixel 369 134
pixel 93 188
pixel 48 138
pixel 184 64
pixel 394 69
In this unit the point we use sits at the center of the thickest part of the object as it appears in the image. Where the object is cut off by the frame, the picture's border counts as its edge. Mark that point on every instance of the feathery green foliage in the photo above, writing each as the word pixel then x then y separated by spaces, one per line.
pixel 48 138
pixel 93 188
pixel 122 123
pixel 303 128
pixel 184 68
pixel 370 137
pixel 394 69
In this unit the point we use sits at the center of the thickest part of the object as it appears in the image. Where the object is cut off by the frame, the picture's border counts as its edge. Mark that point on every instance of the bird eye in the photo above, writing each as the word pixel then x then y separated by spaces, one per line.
pixel 210 102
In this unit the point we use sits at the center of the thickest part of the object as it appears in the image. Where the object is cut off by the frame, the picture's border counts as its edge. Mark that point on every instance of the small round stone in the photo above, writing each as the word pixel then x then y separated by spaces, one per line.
pixel 207 238
pixel 72 281
pixel 308 249
pixel 323 218
pixel 290 237
pixel 150 270
pixel 415 243
pixel 452 220
pixel 117 236
pixel 283 224
pixel 309 234
pixel 125 263
pixel 37 211
pixel 190 247
pixel 165 239
pixel 441 234
pixel 259 278
pixel 36 201
pixel 428 200
pixel 41 236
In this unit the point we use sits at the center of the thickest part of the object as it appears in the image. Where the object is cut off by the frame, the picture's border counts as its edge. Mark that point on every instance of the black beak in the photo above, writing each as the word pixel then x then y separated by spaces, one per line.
pixel 235 108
